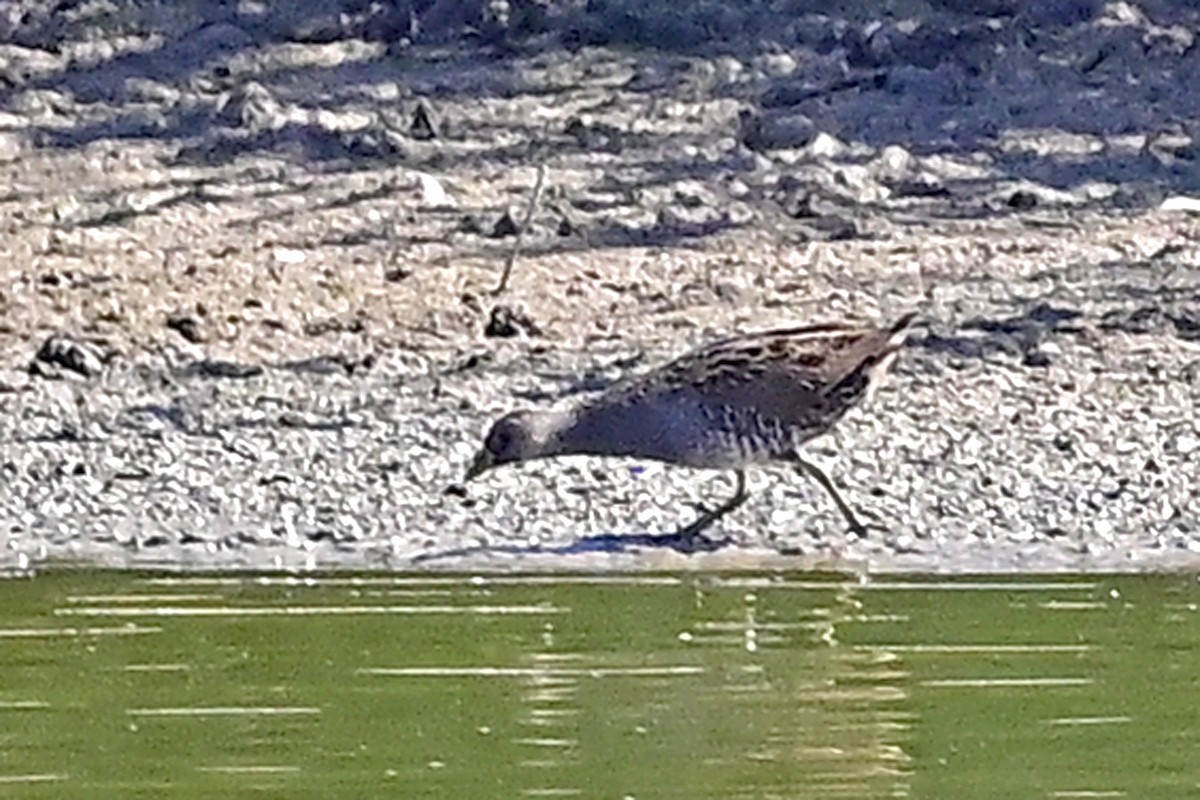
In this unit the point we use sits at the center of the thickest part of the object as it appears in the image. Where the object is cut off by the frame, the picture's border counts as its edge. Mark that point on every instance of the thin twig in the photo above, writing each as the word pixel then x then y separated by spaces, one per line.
pixel 516 249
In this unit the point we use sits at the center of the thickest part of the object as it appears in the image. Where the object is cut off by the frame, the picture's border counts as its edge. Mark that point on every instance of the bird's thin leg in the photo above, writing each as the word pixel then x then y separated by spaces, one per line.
pixel 818 474
pixel 709 517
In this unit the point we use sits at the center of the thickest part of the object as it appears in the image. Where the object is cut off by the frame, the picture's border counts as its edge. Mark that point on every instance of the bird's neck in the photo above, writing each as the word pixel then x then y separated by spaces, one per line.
pixel 586 434
pixel 574 436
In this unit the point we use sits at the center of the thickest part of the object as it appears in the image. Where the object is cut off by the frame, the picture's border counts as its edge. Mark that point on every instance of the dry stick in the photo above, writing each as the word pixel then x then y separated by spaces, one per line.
pixel 516 250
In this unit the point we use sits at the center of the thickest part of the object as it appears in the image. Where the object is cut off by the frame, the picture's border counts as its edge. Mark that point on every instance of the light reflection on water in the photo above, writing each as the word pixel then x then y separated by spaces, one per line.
pixel 764 686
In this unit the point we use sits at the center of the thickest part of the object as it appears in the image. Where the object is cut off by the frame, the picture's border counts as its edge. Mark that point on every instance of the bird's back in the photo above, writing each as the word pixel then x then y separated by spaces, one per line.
pixel 748 398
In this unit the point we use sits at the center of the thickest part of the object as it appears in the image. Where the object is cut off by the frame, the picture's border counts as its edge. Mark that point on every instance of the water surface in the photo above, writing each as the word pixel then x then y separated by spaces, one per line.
pixel 726 686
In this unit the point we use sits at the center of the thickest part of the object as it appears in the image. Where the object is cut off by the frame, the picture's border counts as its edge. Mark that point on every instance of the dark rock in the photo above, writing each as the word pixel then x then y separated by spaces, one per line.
pixel 1036 358
pixel 472 302
pixel 424 124
pixel 774 131
pixel 216 368
pixel 253 108
pixel 1187 325
pixel 186 326
pixel 803 197
pixel 920 186
pixel 335 364
pixel 75 469
pixel 369 143
pixel 1090 59
pixel 506 322
pixel 470 362
pixel 61 351
pixel 469 223
pixel 505 226
pixel 1064 443
pixel 1022 200
pixel 837 228
pixel 595 136
pixel 1052 316
pixel 321 327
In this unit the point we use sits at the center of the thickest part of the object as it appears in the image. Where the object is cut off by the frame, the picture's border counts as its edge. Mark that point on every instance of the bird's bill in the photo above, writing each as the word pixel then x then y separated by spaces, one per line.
pixel 482 463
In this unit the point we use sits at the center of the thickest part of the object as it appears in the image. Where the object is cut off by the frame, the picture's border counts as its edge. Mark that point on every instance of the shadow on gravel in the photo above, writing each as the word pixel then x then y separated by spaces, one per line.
pixel 1020 335
pixel 598 543
pixel 998 113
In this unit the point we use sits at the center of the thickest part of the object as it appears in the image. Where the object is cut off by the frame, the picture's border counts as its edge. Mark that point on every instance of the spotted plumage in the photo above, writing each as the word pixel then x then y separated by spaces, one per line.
pixel 737 402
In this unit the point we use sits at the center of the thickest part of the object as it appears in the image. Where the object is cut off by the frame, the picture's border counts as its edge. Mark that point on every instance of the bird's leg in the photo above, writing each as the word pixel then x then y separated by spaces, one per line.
pixel 709 517
pixel 818 474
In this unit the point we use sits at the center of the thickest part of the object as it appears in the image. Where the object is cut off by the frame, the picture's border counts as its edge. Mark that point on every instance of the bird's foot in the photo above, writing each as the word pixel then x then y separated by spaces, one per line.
pixel 692 538
pixel 701 524
pixel 864 522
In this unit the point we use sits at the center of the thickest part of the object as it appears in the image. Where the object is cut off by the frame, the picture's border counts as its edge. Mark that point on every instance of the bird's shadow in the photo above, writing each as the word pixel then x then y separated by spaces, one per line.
pixel 686 544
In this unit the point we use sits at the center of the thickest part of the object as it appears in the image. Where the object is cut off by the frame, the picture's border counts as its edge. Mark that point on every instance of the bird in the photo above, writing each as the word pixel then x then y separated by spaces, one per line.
pixel 747 400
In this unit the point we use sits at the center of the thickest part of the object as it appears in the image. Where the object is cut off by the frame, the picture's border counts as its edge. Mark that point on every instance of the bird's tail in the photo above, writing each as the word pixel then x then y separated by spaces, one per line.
pixel 874 361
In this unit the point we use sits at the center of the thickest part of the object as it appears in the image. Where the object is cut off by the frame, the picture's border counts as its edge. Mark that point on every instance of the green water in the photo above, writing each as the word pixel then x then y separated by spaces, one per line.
pixel 739 686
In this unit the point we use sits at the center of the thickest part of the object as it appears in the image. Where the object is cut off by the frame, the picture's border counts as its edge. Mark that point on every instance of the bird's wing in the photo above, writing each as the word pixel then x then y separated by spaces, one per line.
pixel 803 376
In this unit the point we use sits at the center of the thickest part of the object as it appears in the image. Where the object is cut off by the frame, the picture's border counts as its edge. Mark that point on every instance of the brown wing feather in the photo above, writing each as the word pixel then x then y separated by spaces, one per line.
pixel 786 374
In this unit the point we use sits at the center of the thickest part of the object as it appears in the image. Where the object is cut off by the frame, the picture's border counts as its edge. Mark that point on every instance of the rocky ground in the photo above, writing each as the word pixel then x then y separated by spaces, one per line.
pixel 248 307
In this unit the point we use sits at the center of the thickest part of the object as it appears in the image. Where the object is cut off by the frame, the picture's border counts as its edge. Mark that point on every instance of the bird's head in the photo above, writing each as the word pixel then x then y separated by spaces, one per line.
pixel 518 436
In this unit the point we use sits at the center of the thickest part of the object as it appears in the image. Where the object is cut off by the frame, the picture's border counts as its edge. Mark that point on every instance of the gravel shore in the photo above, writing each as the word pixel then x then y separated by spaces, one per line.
pixel 247 318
